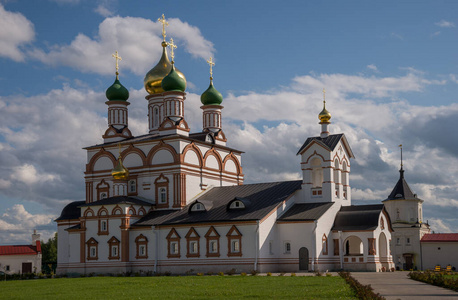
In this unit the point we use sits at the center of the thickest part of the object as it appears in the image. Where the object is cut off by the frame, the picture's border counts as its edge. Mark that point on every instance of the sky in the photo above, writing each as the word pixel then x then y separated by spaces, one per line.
pixel 390 70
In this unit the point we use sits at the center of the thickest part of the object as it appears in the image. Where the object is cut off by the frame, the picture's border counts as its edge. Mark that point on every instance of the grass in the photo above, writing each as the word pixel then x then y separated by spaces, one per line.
pixel 188 287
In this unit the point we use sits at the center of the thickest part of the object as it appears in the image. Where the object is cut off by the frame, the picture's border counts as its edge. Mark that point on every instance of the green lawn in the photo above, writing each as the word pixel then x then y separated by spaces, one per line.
pixel 188 287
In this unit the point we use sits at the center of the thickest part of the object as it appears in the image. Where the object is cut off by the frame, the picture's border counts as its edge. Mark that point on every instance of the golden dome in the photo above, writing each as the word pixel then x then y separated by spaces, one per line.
pixel 153 78
pixel 120 172
pixel 324 115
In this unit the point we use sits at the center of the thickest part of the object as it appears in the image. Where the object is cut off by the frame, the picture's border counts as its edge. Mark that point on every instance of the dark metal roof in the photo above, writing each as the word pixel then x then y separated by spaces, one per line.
pixel 77 226
pixel 118 200
pixel 305 212
pixel 401 189
pixel 71 212
pixel 263 197
pixel 329 142
pixel 358 217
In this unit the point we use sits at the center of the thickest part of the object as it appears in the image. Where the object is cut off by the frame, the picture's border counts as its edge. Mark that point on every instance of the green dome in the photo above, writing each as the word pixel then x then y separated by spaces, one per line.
pixel 117 92
pixel 173 82
pixel 211 96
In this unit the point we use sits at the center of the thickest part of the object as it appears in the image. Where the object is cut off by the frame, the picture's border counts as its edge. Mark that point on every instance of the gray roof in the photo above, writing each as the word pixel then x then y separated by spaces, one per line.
pixel 330 142
pixel 358 217
pixel 401 189
pixel 305 212
pixel 263 198
pixel 71 211
pixel 118 200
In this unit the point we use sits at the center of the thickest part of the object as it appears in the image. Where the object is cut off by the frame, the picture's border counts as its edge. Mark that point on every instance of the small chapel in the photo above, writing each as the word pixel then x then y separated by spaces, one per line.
pixel 174 200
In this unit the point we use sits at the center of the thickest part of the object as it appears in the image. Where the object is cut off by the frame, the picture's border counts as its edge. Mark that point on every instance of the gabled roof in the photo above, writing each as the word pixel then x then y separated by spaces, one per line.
pixel 263 197
pixel 71 212
pixel 118 200
pixel 359 217
pixel 305 212
pixel 401 190
pixel 20 250
pixel 330 142
pixel 439 238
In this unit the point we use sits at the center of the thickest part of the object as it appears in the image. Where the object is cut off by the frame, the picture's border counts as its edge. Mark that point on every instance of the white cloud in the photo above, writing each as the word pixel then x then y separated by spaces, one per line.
pixel 67 1
pixel 435 33
pixel 15 32
pixel 137 40
pixel 4 184
pixel 105 8
pixel 397 36
pixel 453 78
pixel 372 67
pixel 29 175
pixel 446 24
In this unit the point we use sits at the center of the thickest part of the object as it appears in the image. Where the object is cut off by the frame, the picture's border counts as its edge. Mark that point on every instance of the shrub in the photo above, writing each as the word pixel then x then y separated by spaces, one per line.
pixel 167 273
pixel 200 274
pixel 254 272
pixel 243 274
pixel 437 279
pixel 361 291
pixel 328 275
pixel 269 274
pixel 281 274
pixel 231 271
pixel 293 274
pixel 221 274
pixel 318 273
pixel 209 273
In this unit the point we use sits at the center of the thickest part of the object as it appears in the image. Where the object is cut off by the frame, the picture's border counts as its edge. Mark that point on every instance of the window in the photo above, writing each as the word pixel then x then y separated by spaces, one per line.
pixel 336 247
pixel 102 190
pixel 408 241
pixel 234 241
pixel 317 172
pixel 173 244
pixel 287 247
pixel 113 244
pixel 324 242
pixel 398 241
pixel 372 250
pixel 271 250
pixel 156 117
pixel 103 227
pixel 103 195
pixel 92 249
pixel 192 240
pixel 212 237
pixel 197 207
pixel 237 205
pixel 162 193
pixel 132 187
pixel 7 268
pixel 142 243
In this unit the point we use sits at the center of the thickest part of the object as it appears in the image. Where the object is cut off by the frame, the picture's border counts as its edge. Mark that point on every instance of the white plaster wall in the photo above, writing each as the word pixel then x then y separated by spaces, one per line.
pixel 132 160
pixel 230 166
pixel 103 163
pixel 15 263
pixel 442 254
pixel 162 157
pixel 191 158
pixel 211 162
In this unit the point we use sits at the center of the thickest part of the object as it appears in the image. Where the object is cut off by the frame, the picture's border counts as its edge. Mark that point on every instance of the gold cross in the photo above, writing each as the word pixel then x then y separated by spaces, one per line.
pixel 324 95
pixel 211 63
pixel 400 146
pixel 164 23
pixel 172 47
pixel 118 58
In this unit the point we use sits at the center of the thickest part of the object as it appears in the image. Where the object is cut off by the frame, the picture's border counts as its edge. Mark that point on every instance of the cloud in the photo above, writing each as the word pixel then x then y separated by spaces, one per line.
pixel 372 67
pixel 435 33
pixel 15 32
pixel 17 225
pixel 73 2
pixel 105 8
pixel 137 40
pixel 445 24
pixel 397 36
pixel 28 174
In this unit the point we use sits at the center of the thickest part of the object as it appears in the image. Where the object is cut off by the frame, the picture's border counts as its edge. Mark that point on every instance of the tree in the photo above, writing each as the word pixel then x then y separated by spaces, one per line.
pixel 49 254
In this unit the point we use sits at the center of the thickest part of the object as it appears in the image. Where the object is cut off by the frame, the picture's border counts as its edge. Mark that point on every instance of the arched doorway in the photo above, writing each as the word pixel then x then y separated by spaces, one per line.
pixel 353 246
pixel 303 259
pixel 383 250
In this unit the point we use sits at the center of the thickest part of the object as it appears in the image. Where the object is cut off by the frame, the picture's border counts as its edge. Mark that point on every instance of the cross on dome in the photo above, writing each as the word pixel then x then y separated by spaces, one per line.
pixel 211 63
pixel 117 58
pixel 164 24
pixel 324 95
pixel 172 48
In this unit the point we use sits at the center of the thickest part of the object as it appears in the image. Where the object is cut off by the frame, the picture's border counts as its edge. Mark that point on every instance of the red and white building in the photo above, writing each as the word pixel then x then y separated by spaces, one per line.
pixel 21 259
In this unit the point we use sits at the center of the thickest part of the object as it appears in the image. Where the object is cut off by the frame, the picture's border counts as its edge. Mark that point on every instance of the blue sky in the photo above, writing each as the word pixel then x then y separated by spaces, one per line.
pixel 390 70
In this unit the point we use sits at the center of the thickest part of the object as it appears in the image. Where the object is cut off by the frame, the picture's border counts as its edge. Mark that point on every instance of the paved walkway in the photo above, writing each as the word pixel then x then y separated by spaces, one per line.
pixel 397 285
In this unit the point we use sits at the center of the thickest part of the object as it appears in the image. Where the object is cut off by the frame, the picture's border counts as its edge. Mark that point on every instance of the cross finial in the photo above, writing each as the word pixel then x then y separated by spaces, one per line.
pixel 119 149
pixel 172 48
pixel 211 63
pixel 117 58
pixel 324 96
pixel 400 146
pixel 164 24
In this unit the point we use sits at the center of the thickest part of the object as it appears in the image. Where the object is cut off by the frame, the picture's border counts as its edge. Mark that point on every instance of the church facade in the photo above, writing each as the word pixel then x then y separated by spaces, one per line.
pixel 174 201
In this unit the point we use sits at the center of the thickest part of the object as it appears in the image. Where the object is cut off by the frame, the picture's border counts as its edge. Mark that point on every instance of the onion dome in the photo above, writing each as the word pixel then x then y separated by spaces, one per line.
pixel 173 81
pixel 117 92
pixel 120 172
pixel 153 78
pixel 324 115
pixel 211 96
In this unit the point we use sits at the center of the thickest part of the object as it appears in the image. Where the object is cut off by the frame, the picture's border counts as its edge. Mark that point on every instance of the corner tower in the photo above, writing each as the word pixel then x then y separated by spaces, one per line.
pixel 325 164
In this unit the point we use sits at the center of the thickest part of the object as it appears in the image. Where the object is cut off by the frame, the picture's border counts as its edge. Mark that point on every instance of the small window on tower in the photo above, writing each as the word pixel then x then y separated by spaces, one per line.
pixel 163 195
pixel 132 186
pixel 103 195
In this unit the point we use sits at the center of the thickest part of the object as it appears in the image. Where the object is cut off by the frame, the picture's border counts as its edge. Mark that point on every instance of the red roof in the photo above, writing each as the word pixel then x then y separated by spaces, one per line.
pixel 20 250
pixel 439 237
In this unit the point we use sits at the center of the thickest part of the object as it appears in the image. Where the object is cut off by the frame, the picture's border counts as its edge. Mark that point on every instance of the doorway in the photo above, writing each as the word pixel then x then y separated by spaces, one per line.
pixel 303 259
pixel 26 268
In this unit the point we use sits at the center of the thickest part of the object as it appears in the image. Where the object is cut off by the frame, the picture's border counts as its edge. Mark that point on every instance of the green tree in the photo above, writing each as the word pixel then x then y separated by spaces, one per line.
pixel 49 255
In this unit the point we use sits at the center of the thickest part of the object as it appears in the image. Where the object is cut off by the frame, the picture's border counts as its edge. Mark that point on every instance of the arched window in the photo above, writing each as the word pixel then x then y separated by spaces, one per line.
pixel 142 246
pixel 156 117
pixel 344 179
pixel 324 242
pixel 132 186
pixel 317 172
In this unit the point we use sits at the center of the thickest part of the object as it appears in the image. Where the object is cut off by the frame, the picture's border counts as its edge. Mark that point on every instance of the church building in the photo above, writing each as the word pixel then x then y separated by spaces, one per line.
pixel 173 200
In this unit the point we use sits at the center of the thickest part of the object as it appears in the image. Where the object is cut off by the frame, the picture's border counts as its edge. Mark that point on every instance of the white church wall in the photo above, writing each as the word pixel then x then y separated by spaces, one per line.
pixel 298 235
pixel 132 160
pixel 162 157
pixel 442 254
pixel 145 148
pixel 103 163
